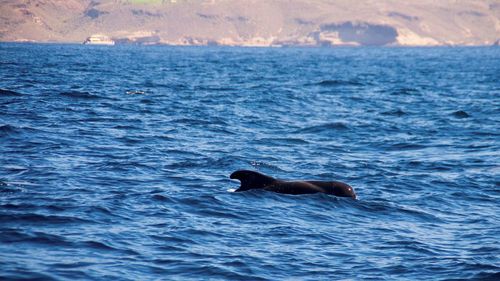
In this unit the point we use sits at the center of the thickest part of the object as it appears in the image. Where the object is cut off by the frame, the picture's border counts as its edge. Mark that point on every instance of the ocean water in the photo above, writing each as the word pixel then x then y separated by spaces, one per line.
pixel 115 163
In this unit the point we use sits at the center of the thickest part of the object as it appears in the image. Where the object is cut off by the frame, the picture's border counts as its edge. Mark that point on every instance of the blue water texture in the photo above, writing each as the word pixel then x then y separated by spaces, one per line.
pixel 115 162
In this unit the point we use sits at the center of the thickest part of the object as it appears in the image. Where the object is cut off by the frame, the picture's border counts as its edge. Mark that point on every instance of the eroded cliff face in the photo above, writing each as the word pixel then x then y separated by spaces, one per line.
pixel 255 22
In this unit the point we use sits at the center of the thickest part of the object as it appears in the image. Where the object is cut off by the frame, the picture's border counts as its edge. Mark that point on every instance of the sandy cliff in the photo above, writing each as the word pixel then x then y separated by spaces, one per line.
pixel 254 22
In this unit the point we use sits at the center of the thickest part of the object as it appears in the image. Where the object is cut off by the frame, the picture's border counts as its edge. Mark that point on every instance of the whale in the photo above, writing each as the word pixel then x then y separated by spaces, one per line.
pixel 255 180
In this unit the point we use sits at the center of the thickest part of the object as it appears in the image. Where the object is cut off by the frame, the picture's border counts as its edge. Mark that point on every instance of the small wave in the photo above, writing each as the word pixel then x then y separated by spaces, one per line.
pixel 422 215
pixel 259 165
pixel 135 92
pixel 19 207
pixel 404 91
pixel 15 168
pixel 49 239
pixel 387 208
pixel 5 188
pixel 79 264
pixel 79 95
pixel 99 119
pixel 397 112
pixel 21 274
pixel 284 140
pixel 486 133
pixel 210 212
pixel 37 218
pixel 200 122
pixel 184 164
pixel 21 183
pixel 460 114
pixel 7 130
pixel 338 83
pixel 488 275
pixel 162 198
pixel 147 101
pixel 125 127
pixel 18 236
pixel 335 126
pixel 4 92
pixel 406 146
pixel 130 140
pixel 183 153
pixel 165 138
pixel 214 88
pixel 97 245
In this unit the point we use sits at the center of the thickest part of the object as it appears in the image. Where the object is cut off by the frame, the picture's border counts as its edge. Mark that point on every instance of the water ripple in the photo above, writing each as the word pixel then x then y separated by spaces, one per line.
pixel 119 169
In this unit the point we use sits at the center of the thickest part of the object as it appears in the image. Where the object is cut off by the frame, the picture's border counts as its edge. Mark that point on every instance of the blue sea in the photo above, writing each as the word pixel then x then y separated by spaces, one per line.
pixel 115 162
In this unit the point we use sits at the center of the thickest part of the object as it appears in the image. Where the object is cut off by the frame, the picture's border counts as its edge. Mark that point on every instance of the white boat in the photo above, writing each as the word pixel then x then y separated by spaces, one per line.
pixel 99 39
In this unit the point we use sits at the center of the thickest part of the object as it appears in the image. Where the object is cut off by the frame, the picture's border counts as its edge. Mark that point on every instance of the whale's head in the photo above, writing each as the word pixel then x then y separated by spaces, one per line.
pixel 343 190
pixel 251 179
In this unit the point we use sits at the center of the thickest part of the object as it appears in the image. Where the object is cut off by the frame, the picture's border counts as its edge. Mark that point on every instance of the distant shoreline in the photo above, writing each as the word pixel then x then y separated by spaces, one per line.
pixel 259 47
pixel 276 23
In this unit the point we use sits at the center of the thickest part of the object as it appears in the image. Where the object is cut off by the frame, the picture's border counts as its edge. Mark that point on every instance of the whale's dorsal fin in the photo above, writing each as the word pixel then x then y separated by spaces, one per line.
pixel 251 179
